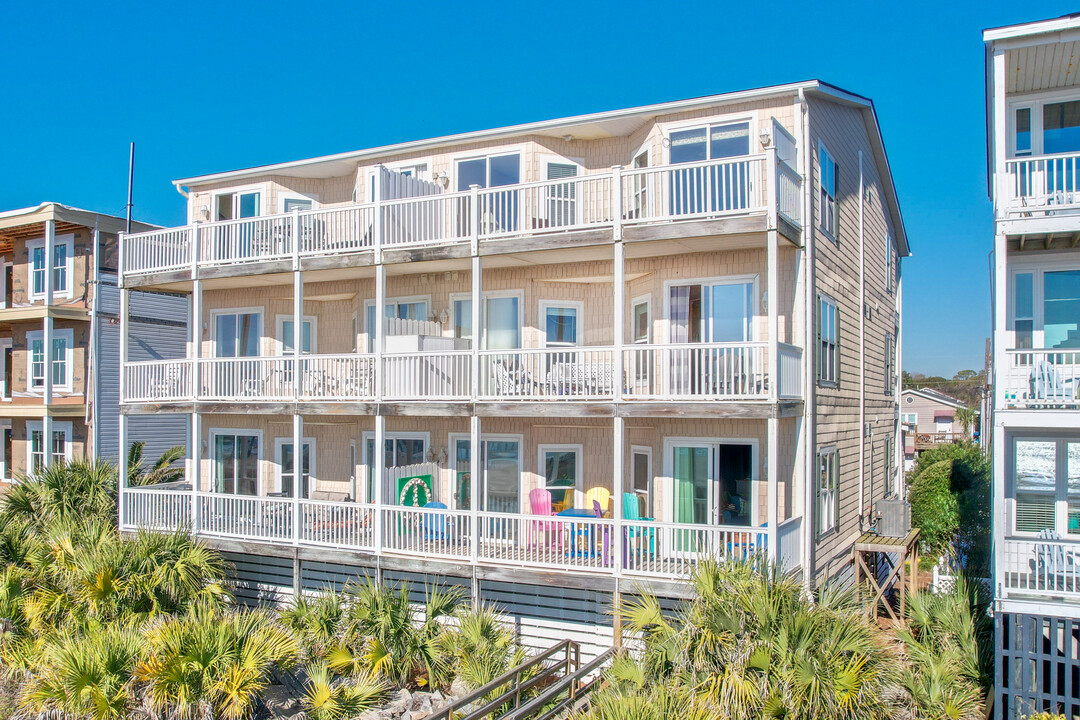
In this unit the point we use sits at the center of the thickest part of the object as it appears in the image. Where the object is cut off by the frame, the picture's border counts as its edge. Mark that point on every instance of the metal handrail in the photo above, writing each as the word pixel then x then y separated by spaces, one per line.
pixel 572 656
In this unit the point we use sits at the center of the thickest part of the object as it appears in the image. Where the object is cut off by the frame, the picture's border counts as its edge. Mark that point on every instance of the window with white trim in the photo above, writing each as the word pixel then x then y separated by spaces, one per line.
pixel 59 449
pixel 60 359
pixel 1045 492
pixel 890 363
pixel 909 419
pixel 63 250
pixel 560 467
pixel 828 335
pixel 829 172
pixel 828 495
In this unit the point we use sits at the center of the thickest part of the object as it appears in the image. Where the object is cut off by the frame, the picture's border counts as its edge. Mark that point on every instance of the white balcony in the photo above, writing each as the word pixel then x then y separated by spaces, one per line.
pixel 701 371
pixel 1039 568
pixel 1040 379
pixel 623 198
pixel 575 544
pixel 1039 187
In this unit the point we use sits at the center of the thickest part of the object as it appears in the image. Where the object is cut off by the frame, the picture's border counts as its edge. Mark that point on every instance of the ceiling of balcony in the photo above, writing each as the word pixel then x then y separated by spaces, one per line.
pixel 1043 67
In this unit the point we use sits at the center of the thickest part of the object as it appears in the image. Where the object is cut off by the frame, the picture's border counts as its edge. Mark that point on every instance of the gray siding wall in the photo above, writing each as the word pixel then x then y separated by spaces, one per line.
pixel 157 331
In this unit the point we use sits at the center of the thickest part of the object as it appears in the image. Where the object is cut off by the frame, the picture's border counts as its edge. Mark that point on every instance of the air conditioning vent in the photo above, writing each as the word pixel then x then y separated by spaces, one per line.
pixel 894 517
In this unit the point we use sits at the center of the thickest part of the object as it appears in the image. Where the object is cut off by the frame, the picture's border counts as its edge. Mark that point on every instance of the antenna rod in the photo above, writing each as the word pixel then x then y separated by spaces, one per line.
pixel 131 184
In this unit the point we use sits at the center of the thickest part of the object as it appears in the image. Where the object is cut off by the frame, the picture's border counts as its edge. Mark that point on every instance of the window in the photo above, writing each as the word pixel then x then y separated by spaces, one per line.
pixel 500 472
pixel 716 187
pixel 59 450
pixel 1061 127
pixel 237 333
pixel 288 203
pixel 909 419
pixel 828 181
pixel 561 197
pixel 1046 485
pixel 560 323
pixel 642 331
pixel 60 359
pixel 828 360
pixel 63 247
pixel 286 463
pixel 828 495
pixel 720 311
pixel 890 363
pixel 641 474
pixel 237 205
pixel 500 318
pixel 1023 310
pixel 285 334
pixel 236 457
pixel 498 211
pixel 641 190
pixel 560 466
pixel 890 267
pixel 1022 136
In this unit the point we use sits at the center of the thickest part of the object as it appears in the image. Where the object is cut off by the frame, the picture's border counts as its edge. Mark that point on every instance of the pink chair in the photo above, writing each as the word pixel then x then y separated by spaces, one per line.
pixel 540 504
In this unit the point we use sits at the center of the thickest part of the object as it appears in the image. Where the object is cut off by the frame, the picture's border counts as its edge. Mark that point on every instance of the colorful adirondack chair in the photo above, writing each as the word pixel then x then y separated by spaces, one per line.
pixel 540 504
pixel 635 535
pixel 436 525
pixel 600 495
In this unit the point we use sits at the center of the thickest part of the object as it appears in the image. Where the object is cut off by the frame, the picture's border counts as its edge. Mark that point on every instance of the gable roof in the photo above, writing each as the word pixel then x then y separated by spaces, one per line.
pixel 611 123
pixel 934 396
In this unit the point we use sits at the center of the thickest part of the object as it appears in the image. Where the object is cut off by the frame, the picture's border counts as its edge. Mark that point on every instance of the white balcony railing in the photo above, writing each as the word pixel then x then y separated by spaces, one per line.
pixel 1040 186
pixel 428 376
pixel 580 544
pixel 1041 378
pixel 1039 567
pixel 730 371
pixel 548 373
pixel 708 189
pixel 701 371
pixel 155 381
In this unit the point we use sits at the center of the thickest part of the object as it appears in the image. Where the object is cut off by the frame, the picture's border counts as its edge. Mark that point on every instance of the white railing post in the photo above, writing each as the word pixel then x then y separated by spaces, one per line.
pixel 298 469
pixel 773 479
pixel 474 225
pixel 619 487
pixel 474 312
pixel 475 473
pixel 377 218
pixel 380 331
pixel 378 478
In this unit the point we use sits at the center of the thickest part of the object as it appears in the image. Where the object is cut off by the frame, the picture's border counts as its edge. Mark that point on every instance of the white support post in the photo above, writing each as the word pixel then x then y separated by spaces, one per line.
pixel 123 425
pixel 196 467
pixel 617 201
pixel 618 320
pixel 380 481
pixel 377 218
pixel 773 477
pixel 298 471
pixel 196 388
pixel 998 139
pixel 474 225
pixel 298 334
pixel 474 310
pixel 122 473
pixel 476 472
pixel 618 469
pixel 380 330
pixel 47 342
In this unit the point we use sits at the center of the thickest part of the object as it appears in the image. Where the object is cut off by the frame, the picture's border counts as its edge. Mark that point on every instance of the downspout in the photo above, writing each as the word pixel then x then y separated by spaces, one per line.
pixel 862 351
pixel 93 398
pixel 810 386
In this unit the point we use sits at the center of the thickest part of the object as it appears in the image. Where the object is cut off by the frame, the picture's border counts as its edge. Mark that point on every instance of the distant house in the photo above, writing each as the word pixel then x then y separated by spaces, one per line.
pixel 928 418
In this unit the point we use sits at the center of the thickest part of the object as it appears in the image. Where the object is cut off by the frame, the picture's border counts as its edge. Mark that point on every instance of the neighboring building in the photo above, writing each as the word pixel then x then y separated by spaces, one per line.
pixel 58 290
pixel 1033 107
pixel 927 419
pixel 652 303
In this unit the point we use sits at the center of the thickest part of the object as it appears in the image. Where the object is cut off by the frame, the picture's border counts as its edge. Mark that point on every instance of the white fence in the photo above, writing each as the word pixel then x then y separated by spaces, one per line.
pixel 547 373
pixel 1041 378
pixel 247 378
pixel 428 376
pixel 712 188
pixel 791 372
pixel 158 381
pixel 555 542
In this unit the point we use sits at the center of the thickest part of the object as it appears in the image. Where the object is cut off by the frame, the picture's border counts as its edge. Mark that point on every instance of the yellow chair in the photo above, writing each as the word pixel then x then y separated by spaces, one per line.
pixel 601 495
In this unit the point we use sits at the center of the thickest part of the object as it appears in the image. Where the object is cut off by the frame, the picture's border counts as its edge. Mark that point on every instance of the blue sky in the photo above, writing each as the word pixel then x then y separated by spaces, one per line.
pixel 203 87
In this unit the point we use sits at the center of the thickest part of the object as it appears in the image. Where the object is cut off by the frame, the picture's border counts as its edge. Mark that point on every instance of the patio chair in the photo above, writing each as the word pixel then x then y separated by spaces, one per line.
pixel 634 535
pixel 436 525
pixel 1055 568
pixel 605 534
pixel 1048 385
pixel 514 383
pixel 540 505
pixel 600 496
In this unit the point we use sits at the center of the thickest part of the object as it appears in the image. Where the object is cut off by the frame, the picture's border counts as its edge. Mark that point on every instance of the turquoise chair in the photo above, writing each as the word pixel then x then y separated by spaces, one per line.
pixel 632 513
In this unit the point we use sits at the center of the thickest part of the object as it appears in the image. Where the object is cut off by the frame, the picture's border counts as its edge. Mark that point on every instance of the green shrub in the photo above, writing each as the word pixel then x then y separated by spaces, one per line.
pixel 934 507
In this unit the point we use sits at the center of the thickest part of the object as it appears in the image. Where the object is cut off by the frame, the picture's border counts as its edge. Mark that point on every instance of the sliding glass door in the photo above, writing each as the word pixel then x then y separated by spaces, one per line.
pixel 713 482
pixel 498 211
pixel 236 462
pixel 711 188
